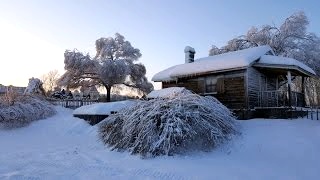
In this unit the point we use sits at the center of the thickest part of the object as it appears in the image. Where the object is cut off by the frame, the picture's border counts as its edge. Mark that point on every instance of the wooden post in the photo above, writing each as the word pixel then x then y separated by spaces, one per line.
pixel 303 91
pixel 277 92
pixel 289 87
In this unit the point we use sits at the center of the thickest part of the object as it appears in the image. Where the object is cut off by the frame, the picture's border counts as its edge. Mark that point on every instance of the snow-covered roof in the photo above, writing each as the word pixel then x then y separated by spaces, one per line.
pixel 103 108
pixel 267 60
pixel 166 92
pixel 189 49
pixel 230 60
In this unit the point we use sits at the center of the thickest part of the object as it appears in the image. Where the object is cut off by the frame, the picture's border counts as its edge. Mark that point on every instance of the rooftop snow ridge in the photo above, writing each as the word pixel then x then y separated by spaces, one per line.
pixel 230 60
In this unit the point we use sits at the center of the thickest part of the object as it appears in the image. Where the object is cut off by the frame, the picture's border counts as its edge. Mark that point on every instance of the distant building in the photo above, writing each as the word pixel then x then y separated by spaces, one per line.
pixel 4 89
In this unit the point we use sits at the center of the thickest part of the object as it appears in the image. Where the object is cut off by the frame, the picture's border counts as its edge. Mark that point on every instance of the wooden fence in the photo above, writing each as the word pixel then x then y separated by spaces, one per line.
pixel 71 103
pixel 313 113
pixel 280 98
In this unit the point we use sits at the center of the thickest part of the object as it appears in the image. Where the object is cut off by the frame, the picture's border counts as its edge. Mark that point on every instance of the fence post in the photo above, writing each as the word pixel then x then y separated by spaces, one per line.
pixel 311 114
pixel 317 114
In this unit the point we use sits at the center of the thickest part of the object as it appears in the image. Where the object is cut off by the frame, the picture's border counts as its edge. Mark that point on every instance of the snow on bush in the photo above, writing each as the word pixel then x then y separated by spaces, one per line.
pixel 167 92
pixel 25 110
pixel 168 126
pixel 34 87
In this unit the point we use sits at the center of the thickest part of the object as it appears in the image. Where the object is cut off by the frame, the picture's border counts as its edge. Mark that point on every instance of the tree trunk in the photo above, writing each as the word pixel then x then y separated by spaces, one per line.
pixel 108 88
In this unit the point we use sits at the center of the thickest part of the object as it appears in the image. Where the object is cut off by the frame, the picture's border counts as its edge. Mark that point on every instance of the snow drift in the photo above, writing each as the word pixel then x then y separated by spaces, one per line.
pixel 25 110
pixel 169 126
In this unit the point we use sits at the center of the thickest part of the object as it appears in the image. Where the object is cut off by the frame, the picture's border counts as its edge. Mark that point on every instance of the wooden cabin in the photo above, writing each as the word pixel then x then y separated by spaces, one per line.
pixel 248 79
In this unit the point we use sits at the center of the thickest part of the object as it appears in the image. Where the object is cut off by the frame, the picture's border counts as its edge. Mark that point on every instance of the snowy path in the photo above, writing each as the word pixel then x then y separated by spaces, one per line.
pixel 63 147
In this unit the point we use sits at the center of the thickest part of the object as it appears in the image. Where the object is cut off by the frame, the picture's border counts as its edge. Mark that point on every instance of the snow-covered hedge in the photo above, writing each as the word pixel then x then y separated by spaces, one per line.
pixel 168 126
pixel 25 110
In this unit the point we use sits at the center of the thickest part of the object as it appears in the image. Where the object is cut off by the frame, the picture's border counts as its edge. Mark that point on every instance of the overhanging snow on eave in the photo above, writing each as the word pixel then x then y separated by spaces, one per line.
pixel 285 67
pixel 166 80
pixel 203 73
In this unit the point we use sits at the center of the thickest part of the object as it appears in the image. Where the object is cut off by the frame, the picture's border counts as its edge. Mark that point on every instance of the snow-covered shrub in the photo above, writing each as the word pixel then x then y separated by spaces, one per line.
pixel 168 126
pixel 25 110
pixel 9 97
pixel 34 87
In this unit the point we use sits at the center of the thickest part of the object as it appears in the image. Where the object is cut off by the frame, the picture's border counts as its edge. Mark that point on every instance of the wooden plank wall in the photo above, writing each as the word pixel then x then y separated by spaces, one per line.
pixel 191 85
pixel 254 79
pixel 233 95
pixel 257 82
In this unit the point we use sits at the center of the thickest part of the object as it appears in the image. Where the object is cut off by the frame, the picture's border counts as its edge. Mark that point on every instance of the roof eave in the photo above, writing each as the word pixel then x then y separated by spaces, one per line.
pixel 292 67
pixel 204 73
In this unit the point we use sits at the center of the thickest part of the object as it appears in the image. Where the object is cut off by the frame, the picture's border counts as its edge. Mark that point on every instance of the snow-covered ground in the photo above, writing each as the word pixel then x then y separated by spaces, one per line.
pixel 64 147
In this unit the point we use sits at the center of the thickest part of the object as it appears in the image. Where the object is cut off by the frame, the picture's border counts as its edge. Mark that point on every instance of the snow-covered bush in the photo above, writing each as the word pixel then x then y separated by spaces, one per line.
pixel 9 97
pixel 34 87
pixel 168 126
pixel 25 110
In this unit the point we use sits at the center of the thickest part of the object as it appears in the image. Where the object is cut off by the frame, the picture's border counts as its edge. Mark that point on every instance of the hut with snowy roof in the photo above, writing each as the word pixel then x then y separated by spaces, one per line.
pixel 251 79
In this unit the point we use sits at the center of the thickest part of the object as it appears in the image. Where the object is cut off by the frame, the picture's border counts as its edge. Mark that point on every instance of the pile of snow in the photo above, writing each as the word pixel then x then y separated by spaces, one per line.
pixel 103 108
pixel 25 110
pixel 64 147
pixel 178 125
pixel 167 92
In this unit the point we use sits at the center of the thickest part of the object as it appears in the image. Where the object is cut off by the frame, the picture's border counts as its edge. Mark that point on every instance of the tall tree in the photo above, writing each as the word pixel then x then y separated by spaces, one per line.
pixel 49 80
pixel 290 39
pixel 114 63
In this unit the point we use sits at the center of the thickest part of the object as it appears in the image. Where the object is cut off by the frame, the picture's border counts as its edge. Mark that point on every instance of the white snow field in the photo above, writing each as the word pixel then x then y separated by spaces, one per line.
pixel 64 147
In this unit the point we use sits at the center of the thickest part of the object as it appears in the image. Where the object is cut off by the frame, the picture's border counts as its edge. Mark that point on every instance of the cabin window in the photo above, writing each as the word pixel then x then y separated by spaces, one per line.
pixel 211 84
pixel 214 85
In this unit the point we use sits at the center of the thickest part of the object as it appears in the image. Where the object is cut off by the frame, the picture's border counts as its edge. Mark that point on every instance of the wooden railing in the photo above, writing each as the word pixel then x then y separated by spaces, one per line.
pixel 280 99
pixel 71 103
pixel 313 113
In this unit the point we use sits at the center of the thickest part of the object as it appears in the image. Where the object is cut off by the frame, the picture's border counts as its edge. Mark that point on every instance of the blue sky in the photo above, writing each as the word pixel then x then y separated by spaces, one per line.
pixel 35 33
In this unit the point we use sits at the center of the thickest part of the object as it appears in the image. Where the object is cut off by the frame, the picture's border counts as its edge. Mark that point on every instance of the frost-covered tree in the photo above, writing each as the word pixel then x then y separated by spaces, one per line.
pixel 114 63
pixel 290 39
pixel 49 80
pixel 177 124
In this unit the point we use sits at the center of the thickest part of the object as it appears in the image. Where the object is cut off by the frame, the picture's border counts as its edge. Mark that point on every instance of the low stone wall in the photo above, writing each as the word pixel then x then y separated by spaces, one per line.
pixel 91 119
pixel 270 113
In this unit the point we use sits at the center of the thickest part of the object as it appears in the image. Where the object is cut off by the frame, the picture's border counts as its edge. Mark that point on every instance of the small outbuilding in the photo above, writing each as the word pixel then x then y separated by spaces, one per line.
pixel 248 79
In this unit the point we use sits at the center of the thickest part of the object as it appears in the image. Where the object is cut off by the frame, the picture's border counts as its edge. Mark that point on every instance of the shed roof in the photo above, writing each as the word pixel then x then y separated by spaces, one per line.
pixel 230 61
pixel 285 63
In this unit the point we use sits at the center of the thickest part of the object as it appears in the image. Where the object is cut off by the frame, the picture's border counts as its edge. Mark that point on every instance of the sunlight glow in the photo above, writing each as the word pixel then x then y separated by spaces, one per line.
pixel 25 55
